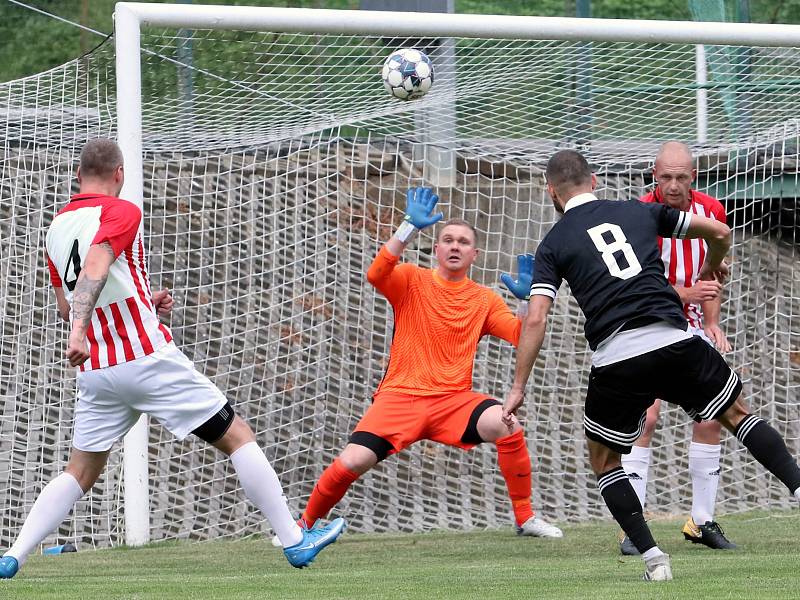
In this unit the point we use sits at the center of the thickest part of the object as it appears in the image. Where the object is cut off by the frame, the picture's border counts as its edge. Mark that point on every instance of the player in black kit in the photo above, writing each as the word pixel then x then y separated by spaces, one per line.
pixel 608 253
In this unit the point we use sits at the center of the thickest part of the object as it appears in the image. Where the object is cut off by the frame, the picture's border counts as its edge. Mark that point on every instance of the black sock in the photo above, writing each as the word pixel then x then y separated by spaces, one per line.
pixel 767 447
pixel 623 503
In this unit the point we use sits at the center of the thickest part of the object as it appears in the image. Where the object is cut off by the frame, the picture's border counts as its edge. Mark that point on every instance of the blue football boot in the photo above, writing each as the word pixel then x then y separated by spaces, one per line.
pixel 314 540
pixel 8 567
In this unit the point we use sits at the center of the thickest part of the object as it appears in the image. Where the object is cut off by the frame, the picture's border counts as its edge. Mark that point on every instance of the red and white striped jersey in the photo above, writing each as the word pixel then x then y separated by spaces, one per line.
pixel 125 325
pixel 683 258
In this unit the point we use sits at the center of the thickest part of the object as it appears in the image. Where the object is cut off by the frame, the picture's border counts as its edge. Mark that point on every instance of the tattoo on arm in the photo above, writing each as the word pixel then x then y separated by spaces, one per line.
pixel 107 247
pixel 86 292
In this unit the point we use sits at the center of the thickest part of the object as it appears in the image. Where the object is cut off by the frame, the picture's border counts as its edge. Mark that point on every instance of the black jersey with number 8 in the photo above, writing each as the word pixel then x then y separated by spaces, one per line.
pixel 608 253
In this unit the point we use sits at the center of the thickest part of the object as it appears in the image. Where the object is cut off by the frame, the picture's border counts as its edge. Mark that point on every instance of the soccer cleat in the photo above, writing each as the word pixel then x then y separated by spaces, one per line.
pixel 627 547
pixel 8 567
pixel 314 540
pixel 276 541
pixel 537 527
pixel 709 534
pixel 658 569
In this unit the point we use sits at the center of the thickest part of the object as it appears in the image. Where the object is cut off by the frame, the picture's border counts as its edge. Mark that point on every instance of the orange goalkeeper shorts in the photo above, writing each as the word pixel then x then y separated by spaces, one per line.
pixel 402 419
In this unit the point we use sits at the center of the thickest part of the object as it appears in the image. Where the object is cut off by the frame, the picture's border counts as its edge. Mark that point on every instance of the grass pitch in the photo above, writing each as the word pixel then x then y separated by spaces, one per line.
pixel 485 565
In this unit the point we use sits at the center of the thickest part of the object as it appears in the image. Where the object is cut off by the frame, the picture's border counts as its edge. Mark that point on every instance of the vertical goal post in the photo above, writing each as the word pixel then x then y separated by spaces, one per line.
pixel 130 18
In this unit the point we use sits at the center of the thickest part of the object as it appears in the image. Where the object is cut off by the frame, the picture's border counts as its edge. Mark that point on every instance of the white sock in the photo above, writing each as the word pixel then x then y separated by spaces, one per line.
pixel 48 512
pixel 797 493
pixel 262 488
pixel 652 553
pixel 637 465
pixel 704 470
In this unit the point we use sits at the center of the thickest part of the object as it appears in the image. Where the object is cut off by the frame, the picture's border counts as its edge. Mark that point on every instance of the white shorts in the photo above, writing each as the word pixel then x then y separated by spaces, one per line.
pixel 164 385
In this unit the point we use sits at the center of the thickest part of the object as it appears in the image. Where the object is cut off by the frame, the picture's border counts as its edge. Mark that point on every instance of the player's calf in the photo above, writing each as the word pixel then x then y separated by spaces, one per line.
pixel 513 458
pixel 624 505
pixel 764 443
pixel 767 447
pixel 355 459
pixel 230 434
pixel 53 505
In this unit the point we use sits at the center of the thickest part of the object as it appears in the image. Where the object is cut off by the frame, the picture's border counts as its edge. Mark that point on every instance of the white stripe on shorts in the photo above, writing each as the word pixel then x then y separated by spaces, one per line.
pixel 720 399
pixel 616 437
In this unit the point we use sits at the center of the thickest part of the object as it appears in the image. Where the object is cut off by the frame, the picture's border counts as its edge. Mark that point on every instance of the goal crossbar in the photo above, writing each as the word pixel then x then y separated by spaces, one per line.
pixel 414 24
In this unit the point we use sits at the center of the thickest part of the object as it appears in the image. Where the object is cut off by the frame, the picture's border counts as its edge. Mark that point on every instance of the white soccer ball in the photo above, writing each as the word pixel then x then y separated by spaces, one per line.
pixel 408 74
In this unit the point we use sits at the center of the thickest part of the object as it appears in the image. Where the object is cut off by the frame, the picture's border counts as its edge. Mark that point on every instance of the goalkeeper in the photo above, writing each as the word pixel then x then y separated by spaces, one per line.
pixel 440 316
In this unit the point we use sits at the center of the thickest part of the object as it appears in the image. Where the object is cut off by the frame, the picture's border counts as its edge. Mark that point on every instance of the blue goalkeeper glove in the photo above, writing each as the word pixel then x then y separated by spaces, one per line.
pixel 521 286
pixel 420 202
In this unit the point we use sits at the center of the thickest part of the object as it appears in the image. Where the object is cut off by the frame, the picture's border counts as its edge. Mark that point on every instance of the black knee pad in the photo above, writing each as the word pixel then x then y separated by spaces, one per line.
pixel 212 430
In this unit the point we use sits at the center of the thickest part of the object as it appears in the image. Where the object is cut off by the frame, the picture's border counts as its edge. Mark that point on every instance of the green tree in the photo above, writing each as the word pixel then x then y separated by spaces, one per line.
pixel 31 42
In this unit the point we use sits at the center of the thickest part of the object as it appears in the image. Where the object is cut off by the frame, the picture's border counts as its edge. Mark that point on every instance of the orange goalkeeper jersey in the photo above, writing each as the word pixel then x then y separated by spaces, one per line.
pixel 437 326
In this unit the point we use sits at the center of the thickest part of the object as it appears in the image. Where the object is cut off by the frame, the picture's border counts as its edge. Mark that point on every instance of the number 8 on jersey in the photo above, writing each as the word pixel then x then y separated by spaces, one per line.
pixel 608 251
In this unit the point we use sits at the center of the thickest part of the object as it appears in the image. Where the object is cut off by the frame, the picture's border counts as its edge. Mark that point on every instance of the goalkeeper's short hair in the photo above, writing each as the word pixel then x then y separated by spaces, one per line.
pixel 463 223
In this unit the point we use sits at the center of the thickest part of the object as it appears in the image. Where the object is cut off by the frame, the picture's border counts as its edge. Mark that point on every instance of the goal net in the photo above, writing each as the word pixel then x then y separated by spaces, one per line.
pixel 275 167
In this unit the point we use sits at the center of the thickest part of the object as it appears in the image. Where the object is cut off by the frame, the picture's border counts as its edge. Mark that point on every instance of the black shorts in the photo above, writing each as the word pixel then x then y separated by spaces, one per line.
pixel 690 373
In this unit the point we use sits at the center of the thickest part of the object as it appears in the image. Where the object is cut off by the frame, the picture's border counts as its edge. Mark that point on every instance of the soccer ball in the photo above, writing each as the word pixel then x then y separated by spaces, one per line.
pixel 408 74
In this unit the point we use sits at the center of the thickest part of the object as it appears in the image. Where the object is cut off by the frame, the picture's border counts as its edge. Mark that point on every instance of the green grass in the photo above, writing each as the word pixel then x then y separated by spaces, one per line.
pixel 495 564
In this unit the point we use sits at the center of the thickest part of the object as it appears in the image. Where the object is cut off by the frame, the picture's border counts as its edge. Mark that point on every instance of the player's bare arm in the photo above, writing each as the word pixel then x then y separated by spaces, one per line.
pixel 530 343
pixel 702 291
pixel 62 303
pixel 382 273
pixel 718 237
pixel 90 283
pixel 711 314
pixel 61 298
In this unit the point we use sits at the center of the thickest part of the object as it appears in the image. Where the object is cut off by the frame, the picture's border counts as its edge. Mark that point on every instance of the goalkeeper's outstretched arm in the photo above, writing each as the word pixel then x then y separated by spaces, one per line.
pixel 382 274
pixel 501 322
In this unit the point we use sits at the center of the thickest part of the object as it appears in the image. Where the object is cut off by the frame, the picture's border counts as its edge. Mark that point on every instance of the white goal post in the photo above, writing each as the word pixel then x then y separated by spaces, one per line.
pixel 271 166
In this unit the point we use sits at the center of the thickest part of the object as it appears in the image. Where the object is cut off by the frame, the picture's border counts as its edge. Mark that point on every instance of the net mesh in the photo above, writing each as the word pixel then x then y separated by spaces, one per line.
pixel 275 166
